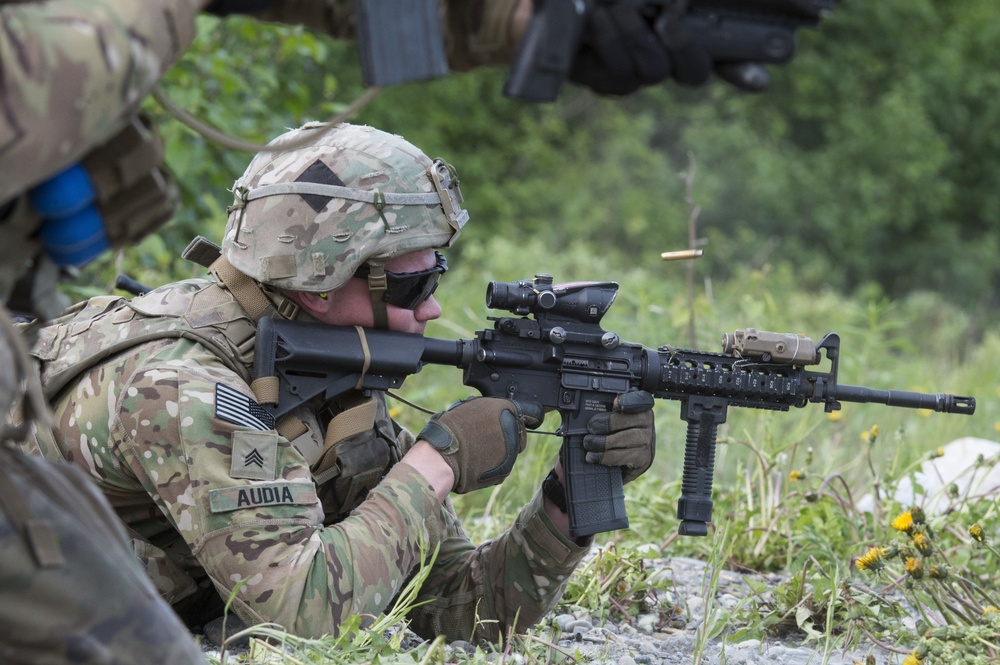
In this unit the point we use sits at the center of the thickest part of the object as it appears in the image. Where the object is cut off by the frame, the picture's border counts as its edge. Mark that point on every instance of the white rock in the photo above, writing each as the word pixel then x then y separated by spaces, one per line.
pixel 958 466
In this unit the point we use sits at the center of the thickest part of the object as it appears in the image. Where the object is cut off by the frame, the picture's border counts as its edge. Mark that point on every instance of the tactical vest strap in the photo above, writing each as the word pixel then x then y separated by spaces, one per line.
pixel 290 427
pixel 246 291
pixel 359 418
pixel 249 294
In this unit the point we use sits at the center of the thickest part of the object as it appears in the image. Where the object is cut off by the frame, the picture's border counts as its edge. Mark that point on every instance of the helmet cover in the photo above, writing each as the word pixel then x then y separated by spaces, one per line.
pixel 324 200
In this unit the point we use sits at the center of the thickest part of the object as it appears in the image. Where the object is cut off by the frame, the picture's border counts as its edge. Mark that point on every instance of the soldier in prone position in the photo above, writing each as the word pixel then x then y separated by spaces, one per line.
pixel 328 511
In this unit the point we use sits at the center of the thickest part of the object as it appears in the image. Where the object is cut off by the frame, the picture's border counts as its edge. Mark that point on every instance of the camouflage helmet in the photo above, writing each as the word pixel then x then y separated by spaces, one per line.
pixel 307 216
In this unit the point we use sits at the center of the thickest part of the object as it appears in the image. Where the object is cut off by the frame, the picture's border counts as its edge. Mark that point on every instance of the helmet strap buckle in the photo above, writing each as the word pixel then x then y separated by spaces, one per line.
pixel 288 309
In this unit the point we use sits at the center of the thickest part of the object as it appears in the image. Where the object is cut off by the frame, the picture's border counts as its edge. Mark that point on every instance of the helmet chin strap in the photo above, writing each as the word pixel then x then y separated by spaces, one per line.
pixel 377 285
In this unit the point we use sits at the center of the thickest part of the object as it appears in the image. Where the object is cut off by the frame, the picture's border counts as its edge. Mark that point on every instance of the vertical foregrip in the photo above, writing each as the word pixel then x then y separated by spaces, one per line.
pixel 694 508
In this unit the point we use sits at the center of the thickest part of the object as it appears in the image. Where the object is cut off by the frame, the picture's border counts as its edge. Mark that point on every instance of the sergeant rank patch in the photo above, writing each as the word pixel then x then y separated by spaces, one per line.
pixel 255 455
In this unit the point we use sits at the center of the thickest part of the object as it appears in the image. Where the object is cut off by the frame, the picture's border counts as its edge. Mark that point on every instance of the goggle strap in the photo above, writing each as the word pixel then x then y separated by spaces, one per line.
pixel 378 284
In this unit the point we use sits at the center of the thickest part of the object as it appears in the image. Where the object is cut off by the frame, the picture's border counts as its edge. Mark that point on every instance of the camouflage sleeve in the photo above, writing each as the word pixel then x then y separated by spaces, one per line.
pixel 73 72
pixel 477 32
pixel 480 593
pixel 184 433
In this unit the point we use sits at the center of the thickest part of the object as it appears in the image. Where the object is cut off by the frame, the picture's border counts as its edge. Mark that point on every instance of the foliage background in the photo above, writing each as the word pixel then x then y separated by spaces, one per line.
pixel 870 165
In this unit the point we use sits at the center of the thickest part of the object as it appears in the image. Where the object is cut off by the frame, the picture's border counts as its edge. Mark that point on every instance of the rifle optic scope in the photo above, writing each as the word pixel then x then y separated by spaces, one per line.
pixel 583 302
pixel 521 297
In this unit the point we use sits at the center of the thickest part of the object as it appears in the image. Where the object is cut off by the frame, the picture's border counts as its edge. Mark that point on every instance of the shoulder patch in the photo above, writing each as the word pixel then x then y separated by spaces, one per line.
pixel 235 407
pixel 227 499
pixel 255 455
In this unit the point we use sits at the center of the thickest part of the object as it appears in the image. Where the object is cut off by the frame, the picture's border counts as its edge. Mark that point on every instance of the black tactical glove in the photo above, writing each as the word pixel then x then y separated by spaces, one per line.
pixel 624 437
pixel 621 52
pixel 480 439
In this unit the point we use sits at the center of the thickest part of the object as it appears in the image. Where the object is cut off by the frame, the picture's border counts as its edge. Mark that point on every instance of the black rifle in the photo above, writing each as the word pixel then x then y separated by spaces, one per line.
pixel 730 31
pixel 560 358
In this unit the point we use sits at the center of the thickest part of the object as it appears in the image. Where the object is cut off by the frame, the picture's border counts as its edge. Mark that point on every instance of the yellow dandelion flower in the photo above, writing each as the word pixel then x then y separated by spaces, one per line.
pixel 835 416
pixel 939 452
pixel 874 431
pixel 912 659
pixel 976 532
pixel 872 559
pixel 395 412
pixel 796 475
pixel 866 436
pixel 903 523
pixel 922 543
pixel 990 609
pixel 996 427
pixel 915 568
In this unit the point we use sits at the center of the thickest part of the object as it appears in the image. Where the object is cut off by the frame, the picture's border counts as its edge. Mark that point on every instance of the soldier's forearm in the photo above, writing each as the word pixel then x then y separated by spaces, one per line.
pixel 428 462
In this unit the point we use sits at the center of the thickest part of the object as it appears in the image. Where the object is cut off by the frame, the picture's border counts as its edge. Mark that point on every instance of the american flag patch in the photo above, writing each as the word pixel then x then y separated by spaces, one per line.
pixel 235 407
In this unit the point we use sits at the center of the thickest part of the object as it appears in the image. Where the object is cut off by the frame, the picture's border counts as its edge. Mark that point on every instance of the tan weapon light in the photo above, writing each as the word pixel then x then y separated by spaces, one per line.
pixel 770 346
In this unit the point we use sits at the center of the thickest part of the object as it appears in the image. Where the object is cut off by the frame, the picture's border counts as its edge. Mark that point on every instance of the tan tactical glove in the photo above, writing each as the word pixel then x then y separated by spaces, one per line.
pixel 624 437
pixel 480 439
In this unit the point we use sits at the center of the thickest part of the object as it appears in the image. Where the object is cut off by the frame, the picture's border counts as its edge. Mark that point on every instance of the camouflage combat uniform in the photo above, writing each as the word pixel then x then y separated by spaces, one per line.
pixel 170 430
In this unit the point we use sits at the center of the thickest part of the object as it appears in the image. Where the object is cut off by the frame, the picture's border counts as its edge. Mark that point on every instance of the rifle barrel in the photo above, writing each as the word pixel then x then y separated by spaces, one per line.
pixel 939 402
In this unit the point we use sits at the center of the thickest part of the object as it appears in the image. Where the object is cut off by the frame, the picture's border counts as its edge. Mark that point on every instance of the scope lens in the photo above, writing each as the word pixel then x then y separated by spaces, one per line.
pixel 511 296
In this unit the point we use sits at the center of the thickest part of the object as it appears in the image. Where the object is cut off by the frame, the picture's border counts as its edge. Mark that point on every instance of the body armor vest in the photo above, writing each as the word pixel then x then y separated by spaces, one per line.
pixel 345 467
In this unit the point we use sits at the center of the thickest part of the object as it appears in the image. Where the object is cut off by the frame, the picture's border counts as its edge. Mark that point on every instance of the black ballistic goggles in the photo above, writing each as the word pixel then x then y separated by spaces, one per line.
pixel 408 289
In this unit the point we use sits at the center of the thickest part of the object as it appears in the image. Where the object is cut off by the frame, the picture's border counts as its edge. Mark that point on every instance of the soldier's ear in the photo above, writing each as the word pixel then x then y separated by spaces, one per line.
pixel 312 303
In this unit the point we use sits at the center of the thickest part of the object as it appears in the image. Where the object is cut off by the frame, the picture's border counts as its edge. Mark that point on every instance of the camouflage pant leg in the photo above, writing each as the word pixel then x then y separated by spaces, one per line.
pixel 71 590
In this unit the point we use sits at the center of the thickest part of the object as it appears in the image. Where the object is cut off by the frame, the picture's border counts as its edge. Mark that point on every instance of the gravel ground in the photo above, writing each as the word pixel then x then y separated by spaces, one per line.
pixel 651 641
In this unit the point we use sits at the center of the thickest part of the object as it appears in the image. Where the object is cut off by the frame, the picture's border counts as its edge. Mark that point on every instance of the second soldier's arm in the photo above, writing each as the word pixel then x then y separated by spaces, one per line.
pixel 75 72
